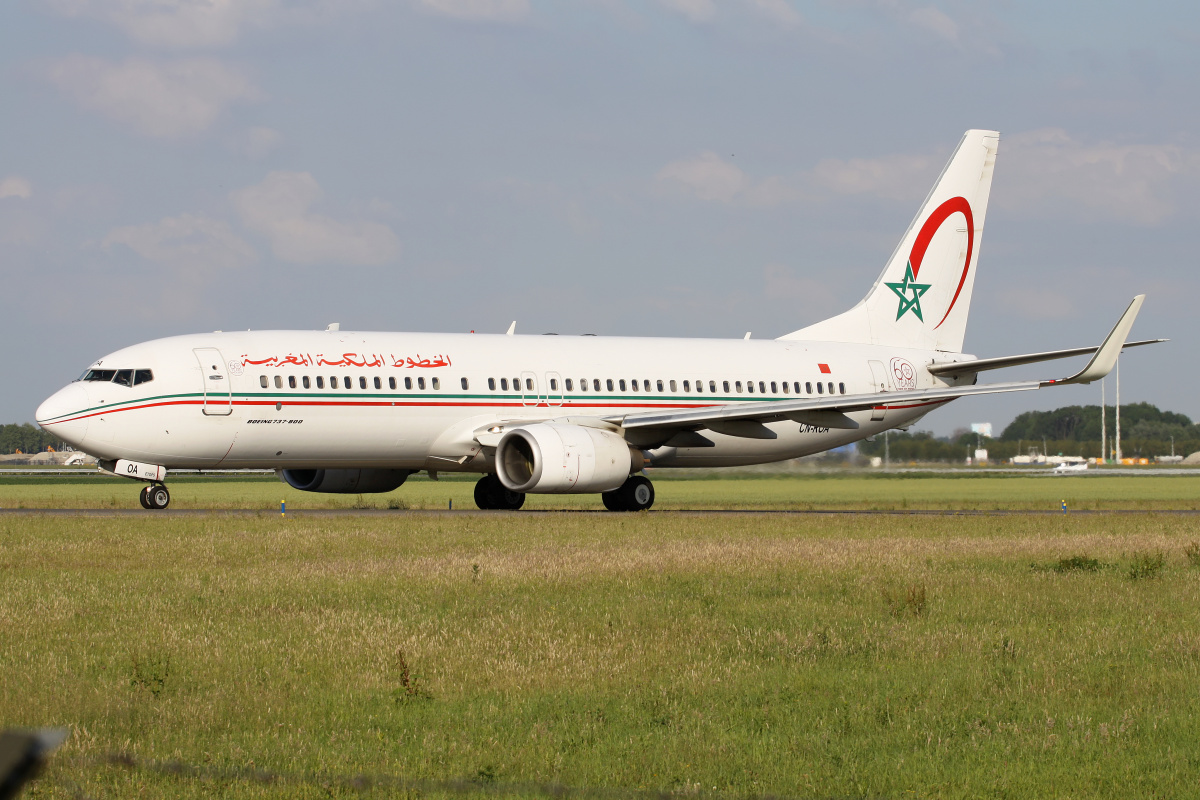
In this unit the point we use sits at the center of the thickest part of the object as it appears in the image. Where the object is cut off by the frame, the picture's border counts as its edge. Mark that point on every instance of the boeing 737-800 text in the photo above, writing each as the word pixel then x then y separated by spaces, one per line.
pixel 335 411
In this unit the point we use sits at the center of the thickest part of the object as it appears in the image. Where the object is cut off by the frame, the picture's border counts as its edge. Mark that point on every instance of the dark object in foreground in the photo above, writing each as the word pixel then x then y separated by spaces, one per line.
pixel 23 754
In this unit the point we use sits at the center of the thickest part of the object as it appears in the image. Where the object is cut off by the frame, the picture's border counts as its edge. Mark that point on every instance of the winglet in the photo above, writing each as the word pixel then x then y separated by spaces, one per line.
pixel 1104 359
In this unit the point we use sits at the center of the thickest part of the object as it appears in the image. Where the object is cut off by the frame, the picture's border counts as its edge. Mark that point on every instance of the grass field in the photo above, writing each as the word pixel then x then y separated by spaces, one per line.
pixel 803 492
pixel 813 656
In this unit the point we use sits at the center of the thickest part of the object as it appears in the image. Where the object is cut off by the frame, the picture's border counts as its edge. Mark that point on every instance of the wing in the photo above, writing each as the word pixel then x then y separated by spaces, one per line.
pixel 746 419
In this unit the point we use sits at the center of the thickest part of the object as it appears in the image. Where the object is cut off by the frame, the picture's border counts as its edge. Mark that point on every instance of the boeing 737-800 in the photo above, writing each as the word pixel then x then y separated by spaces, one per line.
pixel 335 411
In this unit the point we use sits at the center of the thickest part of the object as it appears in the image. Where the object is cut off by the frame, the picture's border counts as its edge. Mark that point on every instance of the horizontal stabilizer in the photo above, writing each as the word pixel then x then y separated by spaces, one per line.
pixel 981 364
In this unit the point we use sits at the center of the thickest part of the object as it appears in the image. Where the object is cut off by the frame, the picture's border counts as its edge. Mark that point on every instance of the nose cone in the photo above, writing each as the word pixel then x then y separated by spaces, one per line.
pixel 62 414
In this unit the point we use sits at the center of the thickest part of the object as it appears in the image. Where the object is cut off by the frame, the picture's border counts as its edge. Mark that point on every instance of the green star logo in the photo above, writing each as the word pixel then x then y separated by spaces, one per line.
pixel 902 289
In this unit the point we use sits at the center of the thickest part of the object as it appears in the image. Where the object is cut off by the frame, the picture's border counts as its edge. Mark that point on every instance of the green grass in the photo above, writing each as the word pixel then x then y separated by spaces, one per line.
pixel 809 656
pixel 815 491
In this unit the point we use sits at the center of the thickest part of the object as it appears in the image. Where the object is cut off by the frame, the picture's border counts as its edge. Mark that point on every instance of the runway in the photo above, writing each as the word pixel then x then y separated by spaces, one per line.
pixel 355 512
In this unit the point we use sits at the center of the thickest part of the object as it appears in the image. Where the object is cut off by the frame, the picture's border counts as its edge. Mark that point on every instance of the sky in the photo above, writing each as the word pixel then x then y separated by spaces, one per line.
pixel 659 168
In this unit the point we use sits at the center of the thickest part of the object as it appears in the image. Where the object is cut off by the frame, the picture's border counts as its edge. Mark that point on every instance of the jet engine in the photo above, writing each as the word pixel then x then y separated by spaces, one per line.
pixel 549 458
pixel 345 481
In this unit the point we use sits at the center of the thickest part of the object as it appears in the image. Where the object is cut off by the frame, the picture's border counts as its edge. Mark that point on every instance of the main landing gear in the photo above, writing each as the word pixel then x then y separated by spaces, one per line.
pixel 491 494
pixel 155 496
pixel 636 494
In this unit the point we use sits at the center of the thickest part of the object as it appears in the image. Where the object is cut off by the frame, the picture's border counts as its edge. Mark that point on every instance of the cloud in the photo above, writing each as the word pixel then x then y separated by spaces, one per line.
pixel 1134 183
pixel 894 177
pixel 706 176
pixel 159 99
pixel 181 24
pixel 694 10
pixel 257 142
pixel 278 208
pixel 186 244
pixel 935 20
pixel 709 177
pixel 16 186
pixel 479 10
pixel 778 11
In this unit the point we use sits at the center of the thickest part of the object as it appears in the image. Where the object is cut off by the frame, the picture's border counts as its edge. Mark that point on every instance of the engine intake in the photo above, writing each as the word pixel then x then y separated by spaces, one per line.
pixel 345 481
pixel 549 458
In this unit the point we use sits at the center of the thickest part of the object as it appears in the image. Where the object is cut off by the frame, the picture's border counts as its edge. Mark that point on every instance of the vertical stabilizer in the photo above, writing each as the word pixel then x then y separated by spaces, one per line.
pixel 924 294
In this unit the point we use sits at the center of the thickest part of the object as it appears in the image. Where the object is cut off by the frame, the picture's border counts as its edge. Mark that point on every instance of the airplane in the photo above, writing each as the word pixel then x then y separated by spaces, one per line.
pixel 358 412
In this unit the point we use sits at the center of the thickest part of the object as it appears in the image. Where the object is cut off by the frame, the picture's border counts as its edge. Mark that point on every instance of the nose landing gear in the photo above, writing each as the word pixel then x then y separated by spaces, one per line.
pixel 155 496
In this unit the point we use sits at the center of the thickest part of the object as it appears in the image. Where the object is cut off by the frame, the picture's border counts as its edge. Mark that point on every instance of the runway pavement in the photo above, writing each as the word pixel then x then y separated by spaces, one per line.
pixel 355 512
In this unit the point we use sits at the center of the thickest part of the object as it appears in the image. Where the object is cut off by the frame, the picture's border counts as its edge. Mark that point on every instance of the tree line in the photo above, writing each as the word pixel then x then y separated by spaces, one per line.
pixel 1146 432
pixel 26 438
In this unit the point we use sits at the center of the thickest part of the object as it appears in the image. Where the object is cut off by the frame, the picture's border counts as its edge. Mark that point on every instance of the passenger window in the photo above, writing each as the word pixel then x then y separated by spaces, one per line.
pixel 291 381
pixel 553 385
pixel 437 383
pixel 320 382
pixel 464 383
pixel 278 382
pixel 841 388
pixel 738 384
pixel 712 386
pixel 504 384
pixel 421 383
pixel 646 385
pixel 762 389
pixel 346 381
pixel 362 382
pixel 262 381
pixel 831 387
pixel 673 389
pixel 609 384
pixel 750 386
pixel 635 385
pixel 724 385
pixel 569 386
pixel 333 382
pixel 785 387
pixel 124 377
pixel 622 384
pixel 687 386
pixel 408 383
pixel 378 383
pixel 596 384
pixel 392 384
pixel 529 384
pixel 516 384
pixel 820 388
pixel 808 388
pixel 492 384
pixel 307 383
pixel 142 376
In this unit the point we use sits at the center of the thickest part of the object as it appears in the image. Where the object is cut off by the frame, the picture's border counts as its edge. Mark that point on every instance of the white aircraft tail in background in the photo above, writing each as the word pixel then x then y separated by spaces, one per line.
pixel 922 298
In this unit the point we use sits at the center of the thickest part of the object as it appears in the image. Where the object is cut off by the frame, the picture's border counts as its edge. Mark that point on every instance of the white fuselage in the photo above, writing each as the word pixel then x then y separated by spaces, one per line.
pixel 327 399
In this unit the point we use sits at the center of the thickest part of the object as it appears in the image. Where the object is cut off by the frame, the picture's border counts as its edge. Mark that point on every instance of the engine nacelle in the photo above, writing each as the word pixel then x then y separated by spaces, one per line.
pixel 345 481
pixel 549 458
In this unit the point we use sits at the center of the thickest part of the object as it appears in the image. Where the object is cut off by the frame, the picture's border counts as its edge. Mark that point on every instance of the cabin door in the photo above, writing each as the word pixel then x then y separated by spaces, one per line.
pixel 218 395
pixel 554 389
pixel 530 391
pixel 879 378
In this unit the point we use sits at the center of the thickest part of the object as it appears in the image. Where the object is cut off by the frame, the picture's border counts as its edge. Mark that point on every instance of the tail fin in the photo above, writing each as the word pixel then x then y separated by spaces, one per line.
pixel 922 298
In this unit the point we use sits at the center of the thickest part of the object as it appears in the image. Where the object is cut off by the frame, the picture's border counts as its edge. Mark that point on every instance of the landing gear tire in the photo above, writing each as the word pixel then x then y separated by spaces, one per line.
pixel 636 494
pixel 142 497
pixel 492 495
pixel 156 496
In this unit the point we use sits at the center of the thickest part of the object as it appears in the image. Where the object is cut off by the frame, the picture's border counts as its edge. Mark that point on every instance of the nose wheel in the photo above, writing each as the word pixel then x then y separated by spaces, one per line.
pixel 636 494
pixel 155 496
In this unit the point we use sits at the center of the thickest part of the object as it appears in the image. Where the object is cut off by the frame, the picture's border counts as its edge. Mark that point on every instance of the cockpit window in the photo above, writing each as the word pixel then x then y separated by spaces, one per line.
pixel 124 377
pixel 99 374
pixel 142 376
